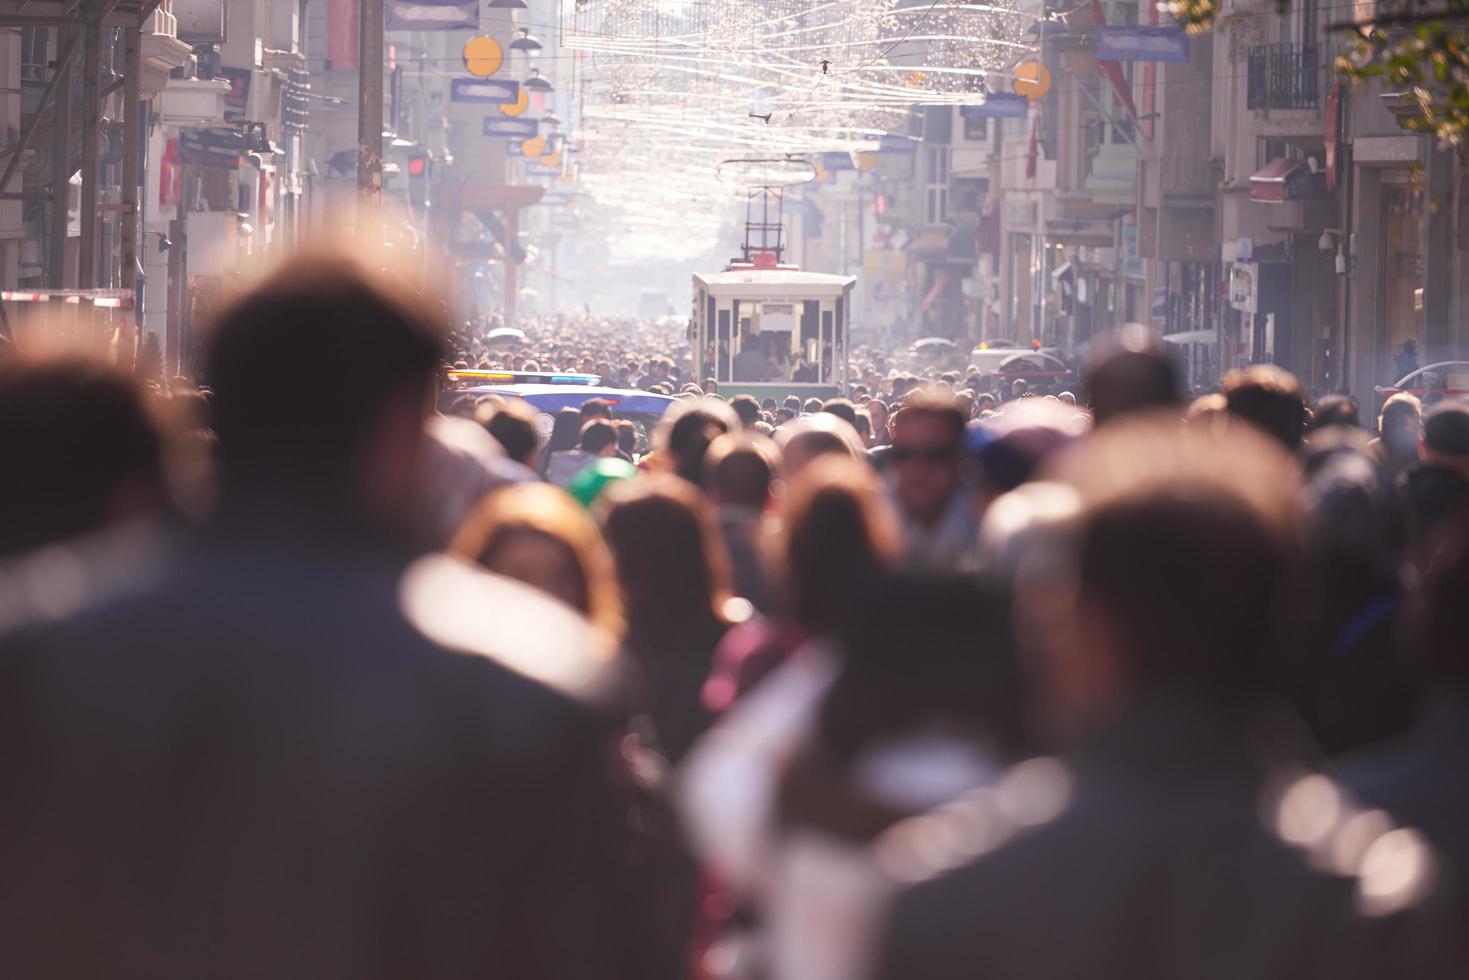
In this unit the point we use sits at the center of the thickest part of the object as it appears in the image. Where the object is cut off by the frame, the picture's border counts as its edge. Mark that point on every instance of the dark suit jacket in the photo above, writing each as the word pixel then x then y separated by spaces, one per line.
pixel 1159 868
pixel 300 755
pixel 1422 779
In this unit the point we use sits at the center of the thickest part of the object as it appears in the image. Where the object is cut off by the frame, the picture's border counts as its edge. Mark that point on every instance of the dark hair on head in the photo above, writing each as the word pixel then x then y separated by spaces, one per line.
pixel 811 406
pixel 1127 379
pixel 746 408
pixel 627 436
pixel 74 432
pixel 689 438
pixel 838 538
pixel 513 426
pixel 1400 408
pixel 768 405
pixel 1446 428
pixel 565 431
pixel 1269 398
pixel 1207 519
pixel 191 410
pixel 739 470
pixel 964 670
pixel 277 422
pixel 596 408
pixel 597 435
pixel 1334 410
pixel 924 404
pixel 1227 576
pixel 1440 624
pixel 842 409
pixel 792 402
pixel 921 653
pixel 669 557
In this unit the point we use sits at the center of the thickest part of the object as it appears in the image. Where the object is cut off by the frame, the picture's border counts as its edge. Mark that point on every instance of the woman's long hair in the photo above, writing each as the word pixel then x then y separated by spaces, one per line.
pixel 669 557
pixel 840 535
pixel 552 514
pixel 565 432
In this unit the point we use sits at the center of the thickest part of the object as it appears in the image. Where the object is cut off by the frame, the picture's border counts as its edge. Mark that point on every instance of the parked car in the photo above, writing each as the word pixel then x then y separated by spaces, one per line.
pixel 1447 378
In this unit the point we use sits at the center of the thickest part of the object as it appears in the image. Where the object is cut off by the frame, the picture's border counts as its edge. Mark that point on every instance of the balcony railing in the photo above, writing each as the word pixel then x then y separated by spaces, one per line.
pixel 1283 76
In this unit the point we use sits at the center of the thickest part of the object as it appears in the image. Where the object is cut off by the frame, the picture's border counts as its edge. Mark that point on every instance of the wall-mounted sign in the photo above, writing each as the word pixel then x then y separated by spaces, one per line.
pixel 492 91
pixel 1032 80
pixel 200 21
pixel 1140 43
pixel 237 99
pixel 213 147
pixel 516 129
pixel 483 56
pixel 431 15
pixel 997 105
pixel 897 144
pixel 1244 290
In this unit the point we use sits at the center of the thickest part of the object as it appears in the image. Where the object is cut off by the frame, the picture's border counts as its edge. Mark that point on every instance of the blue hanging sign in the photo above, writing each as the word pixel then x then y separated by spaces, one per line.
pixel 832 162
pixel 494 91
pixel 515 129
pixel 1140 43
pixel 431 15
pixel 998 105
pixel 890 143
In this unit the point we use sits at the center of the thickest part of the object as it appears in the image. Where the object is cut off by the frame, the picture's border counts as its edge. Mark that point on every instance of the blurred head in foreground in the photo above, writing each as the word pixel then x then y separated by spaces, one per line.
pixel 1181 566
pixel 80 451
pixel 1270 399
pixel 287 435
pixel 1131 373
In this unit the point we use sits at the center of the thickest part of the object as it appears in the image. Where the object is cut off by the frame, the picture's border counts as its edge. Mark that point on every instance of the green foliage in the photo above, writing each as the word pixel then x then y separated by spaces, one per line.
pixel 1195 16
pixel 1425 56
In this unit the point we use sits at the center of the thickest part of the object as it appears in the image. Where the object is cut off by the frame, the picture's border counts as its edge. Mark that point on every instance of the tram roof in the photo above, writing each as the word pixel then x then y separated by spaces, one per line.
pixel 773 283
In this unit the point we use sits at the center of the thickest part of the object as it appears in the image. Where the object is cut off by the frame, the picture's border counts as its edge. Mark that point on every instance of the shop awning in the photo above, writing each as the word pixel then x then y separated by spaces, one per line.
pixel 1286 179
pixel 939 281
pixel 1192 337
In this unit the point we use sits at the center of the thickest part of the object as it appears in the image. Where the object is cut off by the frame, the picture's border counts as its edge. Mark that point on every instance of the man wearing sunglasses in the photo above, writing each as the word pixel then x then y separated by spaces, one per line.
pixel 924 472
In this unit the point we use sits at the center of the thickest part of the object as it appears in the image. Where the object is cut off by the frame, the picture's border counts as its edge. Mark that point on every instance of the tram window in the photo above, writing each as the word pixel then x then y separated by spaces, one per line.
pixel 776 346
pixel 839 345
pixel 808 321
pixel 723 355
pixel 824 354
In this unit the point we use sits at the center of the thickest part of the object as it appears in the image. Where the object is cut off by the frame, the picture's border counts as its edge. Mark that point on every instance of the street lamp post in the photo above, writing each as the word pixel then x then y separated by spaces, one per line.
pixel 370 105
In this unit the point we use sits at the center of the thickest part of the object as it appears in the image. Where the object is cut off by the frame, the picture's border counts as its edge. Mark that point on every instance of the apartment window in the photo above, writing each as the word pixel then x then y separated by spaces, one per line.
pixel 1299 22
pixel 936 164
pixel 977 128
pixel 35 54
pixel 936 170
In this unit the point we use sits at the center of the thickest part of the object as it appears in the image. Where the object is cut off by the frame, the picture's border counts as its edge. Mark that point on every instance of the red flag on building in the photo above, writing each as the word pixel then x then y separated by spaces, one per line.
pixel 341 33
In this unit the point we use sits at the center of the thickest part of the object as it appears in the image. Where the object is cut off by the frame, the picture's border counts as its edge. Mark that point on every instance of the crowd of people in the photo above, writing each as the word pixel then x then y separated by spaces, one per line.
pixel 312 680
